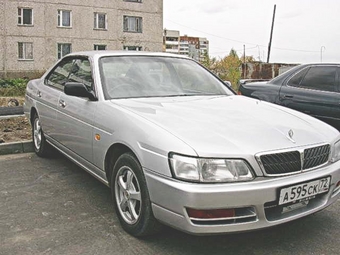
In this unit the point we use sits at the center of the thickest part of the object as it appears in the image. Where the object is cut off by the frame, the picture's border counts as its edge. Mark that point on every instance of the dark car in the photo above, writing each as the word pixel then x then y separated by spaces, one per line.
pixel 313 89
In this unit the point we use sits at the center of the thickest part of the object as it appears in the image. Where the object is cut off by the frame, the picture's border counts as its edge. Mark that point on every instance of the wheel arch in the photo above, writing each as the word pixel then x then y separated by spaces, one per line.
pixel 112 155
pixel 33 111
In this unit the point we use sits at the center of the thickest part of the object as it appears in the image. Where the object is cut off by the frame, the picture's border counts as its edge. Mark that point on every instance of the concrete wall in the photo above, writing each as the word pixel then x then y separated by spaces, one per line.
pixel 259 70
pixel 45 33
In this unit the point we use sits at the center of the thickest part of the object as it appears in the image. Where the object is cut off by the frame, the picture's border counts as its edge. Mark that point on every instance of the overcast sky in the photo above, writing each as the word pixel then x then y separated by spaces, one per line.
pixel 302 29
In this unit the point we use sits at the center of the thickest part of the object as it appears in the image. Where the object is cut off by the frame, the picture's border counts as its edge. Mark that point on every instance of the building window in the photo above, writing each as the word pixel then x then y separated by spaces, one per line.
pixel 25 16
pixel 64 49
pixel 64 18
pixel 99 20
pixel 136 1
pixel 135 48
pixel 99 47
pixel 25 51
pixel 132 24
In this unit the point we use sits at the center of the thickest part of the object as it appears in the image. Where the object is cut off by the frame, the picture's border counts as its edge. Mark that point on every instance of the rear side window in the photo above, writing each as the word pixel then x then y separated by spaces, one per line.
pixel 297 78
pixel 320 78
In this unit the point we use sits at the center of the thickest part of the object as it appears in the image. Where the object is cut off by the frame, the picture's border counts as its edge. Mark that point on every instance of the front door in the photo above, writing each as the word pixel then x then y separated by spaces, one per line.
pixel 76 114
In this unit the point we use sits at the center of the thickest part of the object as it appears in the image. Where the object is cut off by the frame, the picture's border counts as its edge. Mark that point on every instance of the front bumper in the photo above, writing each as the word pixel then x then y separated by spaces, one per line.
pixel 255 201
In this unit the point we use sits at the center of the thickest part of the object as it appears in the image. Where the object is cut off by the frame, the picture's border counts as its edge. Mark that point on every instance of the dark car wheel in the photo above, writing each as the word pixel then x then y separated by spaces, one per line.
pixel 41 147
pixel 131 197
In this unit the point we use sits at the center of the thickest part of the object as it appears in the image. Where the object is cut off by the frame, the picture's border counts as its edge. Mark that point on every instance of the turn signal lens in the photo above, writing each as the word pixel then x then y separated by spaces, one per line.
pixel 336 152
pixel 211 214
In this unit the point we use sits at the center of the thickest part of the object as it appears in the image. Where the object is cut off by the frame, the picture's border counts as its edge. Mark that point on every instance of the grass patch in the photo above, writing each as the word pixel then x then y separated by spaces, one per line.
pixel 13 87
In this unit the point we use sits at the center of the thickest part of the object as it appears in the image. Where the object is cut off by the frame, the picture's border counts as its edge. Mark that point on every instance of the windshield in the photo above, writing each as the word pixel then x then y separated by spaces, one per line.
pixel 140 76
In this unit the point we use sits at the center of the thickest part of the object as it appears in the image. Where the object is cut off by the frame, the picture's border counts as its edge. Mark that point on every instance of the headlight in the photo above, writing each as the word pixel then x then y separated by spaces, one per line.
pixel 336 152
pixel 210 170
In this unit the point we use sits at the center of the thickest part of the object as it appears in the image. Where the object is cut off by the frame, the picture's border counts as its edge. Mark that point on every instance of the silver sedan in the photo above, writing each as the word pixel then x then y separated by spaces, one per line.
pixel 177 146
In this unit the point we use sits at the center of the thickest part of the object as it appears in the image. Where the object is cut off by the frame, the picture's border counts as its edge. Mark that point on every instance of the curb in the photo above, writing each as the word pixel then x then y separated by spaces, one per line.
pixel 16 147
pixel 14 110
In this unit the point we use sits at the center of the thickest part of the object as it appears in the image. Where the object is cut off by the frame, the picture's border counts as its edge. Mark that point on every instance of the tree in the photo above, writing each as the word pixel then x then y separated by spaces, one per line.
pixel 249 59
pixel 229 68
pixel 208 62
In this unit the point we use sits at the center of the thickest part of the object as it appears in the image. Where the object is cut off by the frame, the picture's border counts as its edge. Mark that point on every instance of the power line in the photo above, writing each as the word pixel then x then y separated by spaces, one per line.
pixel 233 40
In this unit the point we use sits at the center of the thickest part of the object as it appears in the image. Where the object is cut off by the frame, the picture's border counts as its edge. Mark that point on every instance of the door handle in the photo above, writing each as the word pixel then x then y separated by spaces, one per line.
pixel 39 93
pixel 62 103
pixel 287 96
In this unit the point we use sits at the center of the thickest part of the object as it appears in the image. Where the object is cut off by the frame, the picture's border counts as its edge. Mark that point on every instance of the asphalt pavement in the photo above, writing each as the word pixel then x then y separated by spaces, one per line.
pixel 51 206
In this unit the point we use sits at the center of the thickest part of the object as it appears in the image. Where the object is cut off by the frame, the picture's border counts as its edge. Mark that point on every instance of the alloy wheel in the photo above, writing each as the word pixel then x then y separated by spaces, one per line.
pixel 37 133
pixel 128 195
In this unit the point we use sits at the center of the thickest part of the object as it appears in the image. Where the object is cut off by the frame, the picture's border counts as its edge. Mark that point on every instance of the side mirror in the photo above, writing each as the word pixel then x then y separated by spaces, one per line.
pixel 230 86
pixel 79 90
pixel 228 83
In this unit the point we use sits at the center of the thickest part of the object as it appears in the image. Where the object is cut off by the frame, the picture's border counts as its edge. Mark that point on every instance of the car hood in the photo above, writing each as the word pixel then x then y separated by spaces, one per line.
pixel 229 125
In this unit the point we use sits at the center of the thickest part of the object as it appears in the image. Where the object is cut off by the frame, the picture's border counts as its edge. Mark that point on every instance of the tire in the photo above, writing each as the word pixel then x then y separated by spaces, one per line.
pixel 41 147
pixel 131 197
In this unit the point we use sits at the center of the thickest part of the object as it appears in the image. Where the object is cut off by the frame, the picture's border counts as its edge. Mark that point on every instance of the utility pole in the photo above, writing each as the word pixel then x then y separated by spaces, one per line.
pixel 271 34
pixel 244 62
pixel 322 48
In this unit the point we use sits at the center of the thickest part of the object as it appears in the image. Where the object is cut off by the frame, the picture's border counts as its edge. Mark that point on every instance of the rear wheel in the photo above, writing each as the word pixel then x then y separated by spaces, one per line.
pixel 41 147
pixel 131 197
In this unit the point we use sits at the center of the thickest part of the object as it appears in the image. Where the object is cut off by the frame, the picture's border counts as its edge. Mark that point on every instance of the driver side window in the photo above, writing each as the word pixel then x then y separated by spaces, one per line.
pixel 71 70
pixel 59 76
pixel 81 72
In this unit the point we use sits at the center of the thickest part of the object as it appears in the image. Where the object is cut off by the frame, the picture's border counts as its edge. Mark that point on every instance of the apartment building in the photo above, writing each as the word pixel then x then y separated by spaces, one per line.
pixel 35 33
pixel 193 47
pixel 171 41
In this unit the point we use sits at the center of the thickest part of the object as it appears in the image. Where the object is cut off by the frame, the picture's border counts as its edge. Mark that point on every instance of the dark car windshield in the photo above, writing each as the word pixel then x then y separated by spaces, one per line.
pixel 140 76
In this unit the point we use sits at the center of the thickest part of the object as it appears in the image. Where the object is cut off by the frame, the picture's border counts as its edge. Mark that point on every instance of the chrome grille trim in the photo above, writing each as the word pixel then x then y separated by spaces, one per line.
pixel 286 162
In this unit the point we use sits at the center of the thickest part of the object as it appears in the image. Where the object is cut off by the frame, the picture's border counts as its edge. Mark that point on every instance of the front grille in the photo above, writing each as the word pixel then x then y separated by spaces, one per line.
pixel 294 161
pixel 279 163
pixel 316 156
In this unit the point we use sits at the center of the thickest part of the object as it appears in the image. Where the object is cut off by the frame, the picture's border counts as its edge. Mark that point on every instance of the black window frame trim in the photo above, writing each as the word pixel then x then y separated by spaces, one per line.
pixel 336 83
pixel 73 57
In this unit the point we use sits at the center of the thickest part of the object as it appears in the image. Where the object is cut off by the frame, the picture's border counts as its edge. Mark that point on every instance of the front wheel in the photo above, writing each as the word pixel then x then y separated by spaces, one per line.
pixel 131 197
pixel 41 147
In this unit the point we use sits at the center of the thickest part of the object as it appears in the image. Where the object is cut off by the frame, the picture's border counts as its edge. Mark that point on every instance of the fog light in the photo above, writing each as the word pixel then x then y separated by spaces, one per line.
pixel 211 214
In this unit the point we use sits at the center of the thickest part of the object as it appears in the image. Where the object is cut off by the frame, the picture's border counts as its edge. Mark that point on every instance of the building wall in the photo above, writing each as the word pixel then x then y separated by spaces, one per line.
pixel 260 70
pixel 193 47
pixel 171 39
pixel 45 33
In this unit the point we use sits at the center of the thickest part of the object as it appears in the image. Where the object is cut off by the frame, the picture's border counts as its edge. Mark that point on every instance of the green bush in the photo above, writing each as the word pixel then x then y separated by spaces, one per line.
pixel 12 87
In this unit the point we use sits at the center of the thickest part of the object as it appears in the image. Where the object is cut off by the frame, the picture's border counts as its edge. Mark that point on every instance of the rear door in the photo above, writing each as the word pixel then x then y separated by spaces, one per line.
pixel 313 91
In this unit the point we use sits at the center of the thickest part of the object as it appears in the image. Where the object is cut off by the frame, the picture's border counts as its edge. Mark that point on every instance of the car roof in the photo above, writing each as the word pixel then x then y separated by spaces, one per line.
pixel 107 53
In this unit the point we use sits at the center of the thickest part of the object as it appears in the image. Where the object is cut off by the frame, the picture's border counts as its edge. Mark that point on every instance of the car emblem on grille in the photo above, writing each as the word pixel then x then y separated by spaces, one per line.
pixel 290 135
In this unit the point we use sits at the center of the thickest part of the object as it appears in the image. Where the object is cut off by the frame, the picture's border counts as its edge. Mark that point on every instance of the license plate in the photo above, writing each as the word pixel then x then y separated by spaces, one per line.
pixel 304 190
